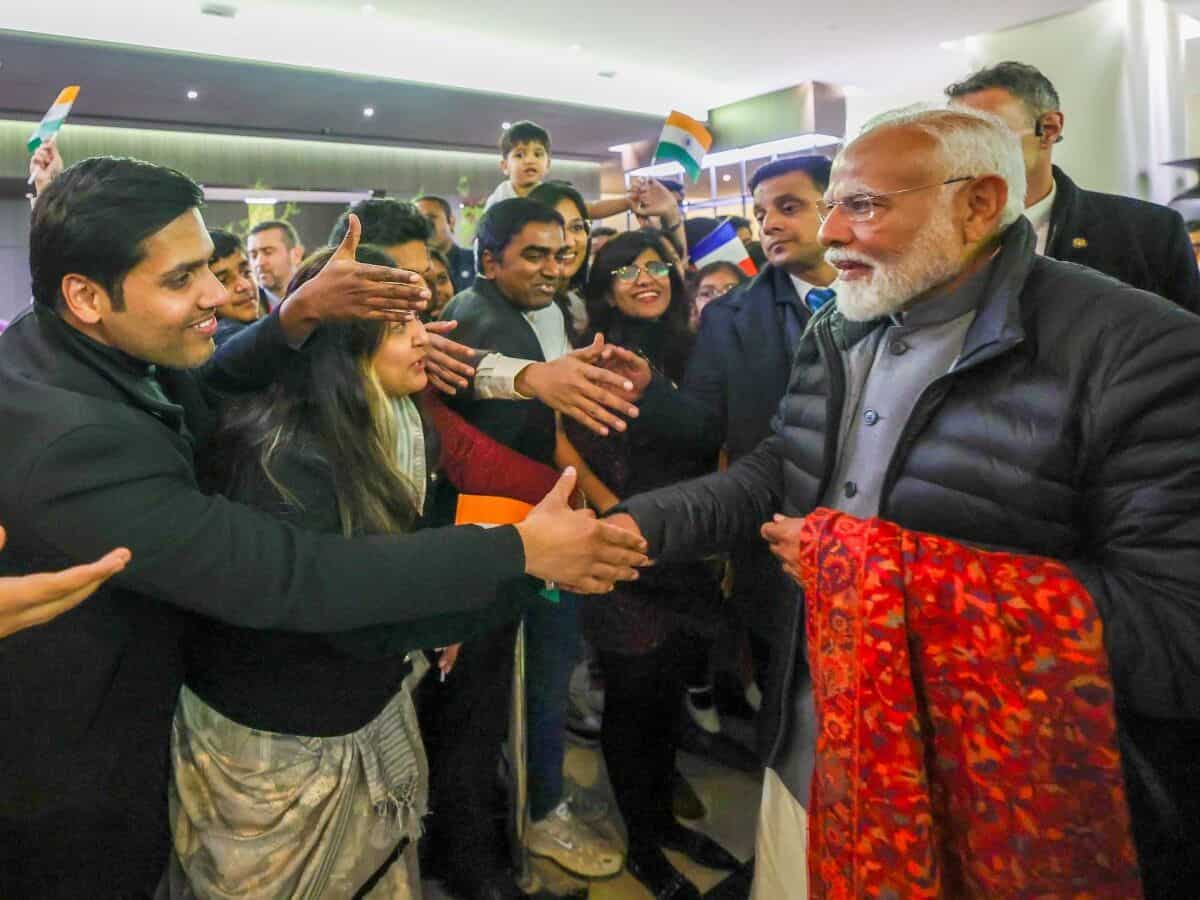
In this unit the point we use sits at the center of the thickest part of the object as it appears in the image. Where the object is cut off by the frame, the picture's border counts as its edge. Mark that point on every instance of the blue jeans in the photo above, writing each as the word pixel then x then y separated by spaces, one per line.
pixel 552 636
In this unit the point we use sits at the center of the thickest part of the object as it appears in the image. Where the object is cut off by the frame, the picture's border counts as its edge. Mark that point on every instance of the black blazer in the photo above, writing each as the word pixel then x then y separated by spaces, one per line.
pixel 737 373
pixel 94 457
pixel 1140 243
pixel 489 322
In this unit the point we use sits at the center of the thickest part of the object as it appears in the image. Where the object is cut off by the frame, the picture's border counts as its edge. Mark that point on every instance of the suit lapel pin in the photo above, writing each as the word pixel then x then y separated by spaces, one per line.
pixel 1079 243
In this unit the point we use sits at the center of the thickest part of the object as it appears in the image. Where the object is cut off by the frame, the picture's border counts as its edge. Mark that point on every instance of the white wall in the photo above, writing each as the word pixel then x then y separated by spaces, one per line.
pixel 1118 66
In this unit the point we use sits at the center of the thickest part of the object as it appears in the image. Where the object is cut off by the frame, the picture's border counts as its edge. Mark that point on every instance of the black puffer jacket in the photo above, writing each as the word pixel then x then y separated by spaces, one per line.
pixel 1070 428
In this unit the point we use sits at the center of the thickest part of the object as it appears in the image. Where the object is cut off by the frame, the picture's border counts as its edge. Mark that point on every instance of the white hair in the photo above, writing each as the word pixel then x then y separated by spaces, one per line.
pixel 972 142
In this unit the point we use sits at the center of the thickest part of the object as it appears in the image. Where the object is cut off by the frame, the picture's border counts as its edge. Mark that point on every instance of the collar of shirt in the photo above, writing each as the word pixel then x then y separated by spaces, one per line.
pixel 802 287
pixel 946 307
pixel 1039 215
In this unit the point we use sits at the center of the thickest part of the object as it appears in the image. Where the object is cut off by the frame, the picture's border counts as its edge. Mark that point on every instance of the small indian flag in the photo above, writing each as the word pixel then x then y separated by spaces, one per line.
pixel 685 141
pixel 489 512
pixel 723 244
pixel 54 118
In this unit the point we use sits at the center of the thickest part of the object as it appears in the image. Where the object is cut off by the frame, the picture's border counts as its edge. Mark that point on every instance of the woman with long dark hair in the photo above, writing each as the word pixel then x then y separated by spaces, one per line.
pixel 299 769
pixel 645 633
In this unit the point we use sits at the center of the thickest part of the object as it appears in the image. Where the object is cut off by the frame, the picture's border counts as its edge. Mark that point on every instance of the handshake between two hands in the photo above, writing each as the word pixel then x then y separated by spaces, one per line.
pixel 586 555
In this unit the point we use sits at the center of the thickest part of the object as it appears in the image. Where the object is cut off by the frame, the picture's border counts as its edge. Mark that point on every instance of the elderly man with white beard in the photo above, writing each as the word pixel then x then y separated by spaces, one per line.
pixel 965 387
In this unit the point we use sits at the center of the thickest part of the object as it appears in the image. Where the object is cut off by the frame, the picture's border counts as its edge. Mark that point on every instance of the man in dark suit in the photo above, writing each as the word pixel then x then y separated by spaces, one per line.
pixel 739 368
pixel 511 310
pixel 109 387
pixel 1140 243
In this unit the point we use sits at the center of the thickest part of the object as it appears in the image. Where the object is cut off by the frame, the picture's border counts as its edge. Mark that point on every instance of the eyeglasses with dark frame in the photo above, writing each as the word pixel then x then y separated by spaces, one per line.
pixel 861 207
pixel 655 269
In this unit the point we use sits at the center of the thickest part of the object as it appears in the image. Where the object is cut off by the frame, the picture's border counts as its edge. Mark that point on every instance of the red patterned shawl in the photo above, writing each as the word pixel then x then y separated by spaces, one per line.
pixel 967 742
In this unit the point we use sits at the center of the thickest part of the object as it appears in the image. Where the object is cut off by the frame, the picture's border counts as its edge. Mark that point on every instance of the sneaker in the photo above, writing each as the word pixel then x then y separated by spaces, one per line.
pixel 587 806
pixel 573 844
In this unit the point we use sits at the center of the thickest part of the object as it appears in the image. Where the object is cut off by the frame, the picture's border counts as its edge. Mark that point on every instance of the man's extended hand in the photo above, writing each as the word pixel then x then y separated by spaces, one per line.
pixel 449 365
pixel 580 387
pixel 574 549
pixel 45 165
pixel 782 535
pixel 634 369
pixel 347 289
pixel 30 600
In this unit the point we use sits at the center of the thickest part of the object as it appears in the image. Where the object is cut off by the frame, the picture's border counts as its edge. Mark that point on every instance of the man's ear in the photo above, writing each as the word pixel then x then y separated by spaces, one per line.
pixel 985 199
pixel 86 299
pixel 1051 127
pixel 487 264
pixel 297 254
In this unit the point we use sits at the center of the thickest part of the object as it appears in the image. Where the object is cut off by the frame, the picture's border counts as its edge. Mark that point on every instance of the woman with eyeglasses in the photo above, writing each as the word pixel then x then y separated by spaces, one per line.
pixel 298 766
pixel 714 280
pixel 646 633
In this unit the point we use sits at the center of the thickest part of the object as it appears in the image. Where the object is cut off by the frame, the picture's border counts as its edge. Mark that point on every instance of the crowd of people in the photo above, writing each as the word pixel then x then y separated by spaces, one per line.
pixel 919 498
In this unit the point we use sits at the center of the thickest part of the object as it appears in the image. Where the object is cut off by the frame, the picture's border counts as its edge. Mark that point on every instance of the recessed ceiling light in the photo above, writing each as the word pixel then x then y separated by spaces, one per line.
pixel 368 9
pixel 192 95
pixel 574 48
pixel 727 177
pixel 368 111
pixel 506 125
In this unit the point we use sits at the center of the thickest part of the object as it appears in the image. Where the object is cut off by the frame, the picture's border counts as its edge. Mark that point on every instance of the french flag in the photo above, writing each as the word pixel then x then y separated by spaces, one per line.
pixel 724 245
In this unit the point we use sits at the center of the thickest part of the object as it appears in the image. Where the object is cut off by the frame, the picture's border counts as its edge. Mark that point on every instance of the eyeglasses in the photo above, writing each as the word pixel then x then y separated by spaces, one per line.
pixel 861 207
pixel 655 269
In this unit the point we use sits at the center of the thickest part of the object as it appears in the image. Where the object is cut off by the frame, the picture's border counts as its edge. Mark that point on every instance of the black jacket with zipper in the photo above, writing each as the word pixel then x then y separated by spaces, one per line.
pixel 1068 429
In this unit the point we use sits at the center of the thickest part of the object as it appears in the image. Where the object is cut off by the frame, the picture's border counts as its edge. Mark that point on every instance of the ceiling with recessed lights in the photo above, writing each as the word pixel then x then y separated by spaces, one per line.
pixel 635 57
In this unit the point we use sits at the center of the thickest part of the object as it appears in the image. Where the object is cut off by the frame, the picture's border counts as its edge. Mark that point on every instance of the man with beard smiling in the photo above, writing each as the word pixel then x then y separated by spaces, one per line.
pixel 965 386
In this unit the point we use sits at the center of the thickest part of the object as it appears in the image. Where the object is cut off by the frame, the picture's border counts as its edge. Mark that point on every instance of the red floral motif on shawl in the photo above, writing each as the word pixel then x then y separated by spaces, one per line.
pixel 967 742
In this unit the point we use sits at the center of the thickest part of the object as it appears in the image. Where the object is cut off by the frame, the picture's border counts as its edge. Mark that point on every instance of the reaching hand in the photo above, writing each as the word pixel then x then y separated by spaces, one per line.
pixel 45 165
pixel 650 198
pixel 347 289
pixel 634 369
pixel 578 386
pixel 30 600
pixel 450 365
pixel 782 534
pixel 574 549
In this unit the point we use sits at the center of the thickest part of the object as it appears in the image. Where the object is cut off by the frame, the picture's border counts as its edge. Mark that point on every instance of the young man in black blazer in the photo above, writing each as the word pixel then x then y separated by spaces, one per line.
pixel 109 390
pixel 1140 243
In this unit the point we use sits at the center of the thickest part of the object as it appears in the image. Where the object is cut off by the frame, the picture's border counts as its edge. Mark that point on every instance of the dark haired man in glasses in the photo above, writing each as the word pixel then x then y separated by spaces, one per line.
pixel 1140 243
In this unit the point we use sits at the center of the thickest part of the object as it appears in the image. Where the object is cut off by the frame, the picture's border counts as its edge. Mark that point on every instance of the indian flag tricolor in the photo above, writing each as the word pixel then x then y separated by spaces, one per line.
pixel 685 141
pixel 723 244
pixel 488 511
pixel 54 118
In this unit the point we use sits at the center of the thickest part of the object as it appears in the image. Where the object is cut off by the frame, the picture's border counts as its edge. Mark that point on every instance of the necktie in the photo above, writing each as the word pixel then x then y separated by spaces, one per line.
pixel 818 297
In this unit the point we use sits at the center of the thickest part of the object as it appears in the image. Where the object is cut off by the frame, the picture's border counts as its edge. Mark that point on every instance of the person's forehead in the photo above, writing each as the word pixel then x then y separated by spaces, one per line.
pixel 887 159
pixel 232 261
pixel 527 147
pixel 547 234
pixel 268 238
pixel 430 208
pixel 183 239
pixel 797 183
pixel 999 102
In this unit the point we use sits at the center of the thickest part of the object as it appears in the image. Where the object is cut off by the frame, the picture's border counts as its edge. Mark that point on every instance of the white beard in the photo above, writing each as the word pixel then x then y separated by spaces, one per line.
pixel 932 259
